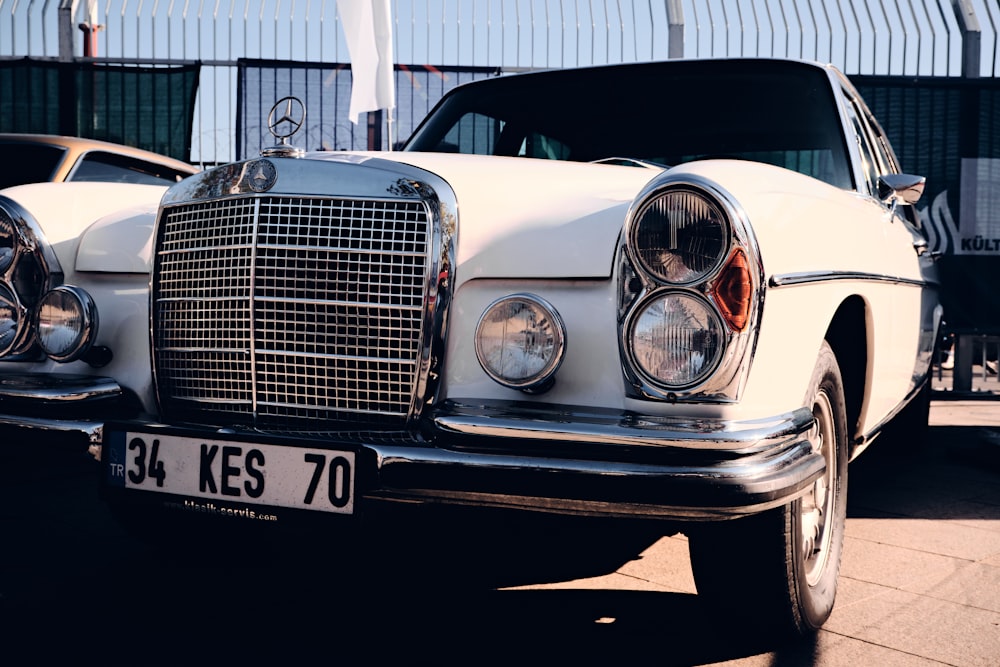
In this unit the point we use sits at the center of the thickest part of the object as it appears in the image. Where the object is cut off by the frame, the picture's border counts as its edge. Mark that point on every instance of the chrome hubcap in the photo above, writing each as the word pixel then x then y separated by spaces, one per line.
pixel 817 505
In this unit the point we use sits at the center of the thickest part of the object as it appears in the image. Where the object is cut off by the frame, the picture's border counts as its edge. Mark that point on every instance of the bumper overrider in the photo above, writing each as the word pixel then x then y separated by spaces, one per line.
pixel 514 455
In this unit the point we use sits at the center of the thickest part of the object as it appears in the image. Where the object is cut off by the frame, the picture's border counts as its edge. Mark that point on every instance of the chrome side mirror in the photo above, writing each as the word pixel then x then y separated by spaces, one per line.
pixel 901 188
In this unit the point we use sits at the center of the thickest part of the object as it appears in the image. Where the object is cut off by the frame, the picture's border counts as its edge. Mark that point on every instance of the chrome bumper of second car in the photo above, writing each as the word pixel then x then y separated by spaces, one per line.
pixel 57 388
pixel 59 402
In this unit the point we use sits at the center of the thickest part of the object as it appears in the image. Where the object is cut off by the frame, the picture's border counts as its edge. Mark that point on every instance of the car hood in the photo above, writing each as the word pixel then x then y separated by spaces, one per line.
pixel 94 226
pixel 528 218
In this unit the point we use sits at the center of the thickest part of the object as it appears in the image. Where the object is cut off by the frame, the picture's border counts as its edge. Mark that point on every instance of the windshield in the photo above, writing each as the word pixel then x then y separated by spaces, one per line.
pixel 22 162
pixel 781 113
pixel 107 167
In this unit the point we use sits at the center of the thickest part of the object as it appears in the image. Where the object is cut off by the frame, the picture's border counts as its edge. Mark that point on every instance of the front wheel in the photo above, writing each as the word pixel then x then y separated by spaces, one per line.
pixel 780 568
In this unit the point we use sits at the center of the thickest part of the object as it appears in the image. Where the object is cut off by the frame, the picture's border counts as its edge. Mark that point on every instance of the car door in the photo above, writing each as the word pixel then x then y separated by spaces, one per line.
pixel 905 313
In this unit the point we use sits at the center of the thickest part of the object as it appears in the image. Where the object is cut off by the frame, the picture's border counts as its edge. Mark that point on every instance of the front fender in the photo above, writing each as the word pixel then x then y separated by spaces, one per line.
pixel 105 225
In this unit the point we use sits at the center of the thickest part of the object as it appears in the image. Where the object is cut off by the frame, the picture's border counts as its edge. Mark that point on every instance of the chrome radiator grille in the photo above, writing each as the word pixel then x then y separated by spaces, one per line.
pixel 289 312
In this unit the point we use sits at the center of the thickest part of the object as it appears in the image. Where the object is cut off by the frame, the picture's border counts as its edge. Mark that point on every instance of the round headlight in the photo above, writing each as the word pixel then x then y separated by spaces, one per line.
pixel 520 342
pixel 67 323
pixel 680 236
pixel 676 340
pixel 11 321
pixel 8 241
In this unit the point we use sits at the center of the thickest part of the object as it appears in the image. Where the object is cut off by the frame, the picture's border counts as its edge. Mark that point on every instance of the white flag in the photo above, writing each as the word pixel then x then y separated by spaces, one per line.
pixel 368 29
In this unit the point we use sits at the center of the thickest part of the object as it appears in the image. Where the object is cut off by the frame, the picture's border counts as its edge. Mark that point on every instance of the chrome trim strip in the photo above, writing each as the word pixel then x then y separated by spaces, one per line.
pixel 252 310
pixel 504 421
pixel 806 277
pixel 60 388
pixel 594 508
pixel 94 431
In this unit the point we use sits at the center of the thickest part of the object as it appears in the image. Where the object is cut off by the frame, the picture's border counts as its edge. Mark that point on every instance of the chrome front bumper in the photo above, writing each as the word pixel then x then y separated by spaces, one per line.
pixel 600 462
pixel 523 455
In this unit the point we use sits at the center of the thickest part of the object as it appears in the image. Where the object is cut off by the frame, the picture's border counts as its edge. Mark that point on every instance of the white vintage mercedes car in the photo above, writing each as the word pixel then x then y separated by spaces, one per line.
pixel 690 291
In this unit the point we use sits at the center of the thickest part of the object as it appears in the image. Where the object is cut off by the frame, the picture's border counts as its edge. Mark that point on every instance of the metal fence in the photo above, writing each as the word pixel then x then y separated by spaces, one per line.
pixel 873 37
pixel 931 67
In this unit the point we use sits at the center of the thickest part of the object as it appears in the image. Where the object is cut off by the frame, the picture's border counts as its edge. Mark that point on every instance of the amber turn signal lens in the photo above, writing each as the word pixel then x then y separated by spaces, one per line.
pixel 733 291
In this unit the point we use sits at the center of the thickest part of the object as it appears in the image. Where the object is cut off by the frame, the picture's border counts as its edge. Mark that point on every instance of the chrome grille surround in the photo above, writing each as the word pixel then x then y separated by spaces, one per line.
pixel 311 313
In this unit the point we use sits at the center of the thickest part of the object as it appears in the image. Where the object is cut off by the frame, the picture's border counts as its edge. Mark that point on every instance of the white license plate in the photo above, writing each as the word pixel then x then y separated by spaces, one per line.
pixel 235 472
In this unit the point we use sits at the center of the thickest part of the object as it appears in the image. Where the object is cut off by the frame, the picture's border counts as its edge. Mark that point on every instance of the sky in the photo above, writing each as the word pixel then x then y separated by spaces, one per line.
pixel 899 37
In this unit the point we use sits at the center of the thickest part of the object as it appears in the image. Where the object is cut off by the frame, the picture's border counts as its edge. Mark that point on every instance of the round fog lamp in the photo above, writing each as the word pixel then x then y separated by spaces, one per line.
pixel 67 323
pixel 520 342
pixel 677 340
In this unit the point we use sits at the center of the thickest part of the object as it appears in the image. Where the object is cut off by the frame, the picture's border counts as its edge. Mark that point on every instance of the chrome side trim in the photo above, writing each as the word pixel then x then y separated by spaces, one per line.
pixel 806 277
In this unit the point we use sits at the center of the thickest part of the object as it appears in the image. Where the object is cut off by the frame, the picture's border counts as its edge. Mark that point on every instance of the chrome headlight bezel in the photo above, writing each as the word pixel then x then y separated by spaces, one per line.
pixel 14 322
pixel 9 241
pixel 82 318
pixel 545 355
pixel 679 235
pixel 30 269
pixel 732 271
pixel 691 354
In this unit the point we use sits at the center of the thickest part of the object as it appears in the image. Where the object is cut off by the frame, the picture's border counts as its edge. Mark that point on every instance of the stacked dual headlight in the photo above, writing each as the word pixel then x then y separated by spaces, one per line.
pixel 35 311
pixel 676 336
pixel 692 292
pixel 14 314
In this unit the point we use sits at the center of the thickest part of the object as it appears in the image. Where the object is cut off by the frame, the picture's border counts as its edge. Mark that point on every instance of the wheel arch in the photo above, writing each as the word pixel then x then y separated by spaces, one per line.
pixel 849 335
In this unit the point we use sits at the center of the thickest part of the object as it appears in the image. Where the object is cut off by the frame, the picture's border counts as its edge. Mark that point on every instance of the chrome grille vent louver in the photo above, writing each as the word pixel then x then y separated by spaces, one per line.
pixel 298 313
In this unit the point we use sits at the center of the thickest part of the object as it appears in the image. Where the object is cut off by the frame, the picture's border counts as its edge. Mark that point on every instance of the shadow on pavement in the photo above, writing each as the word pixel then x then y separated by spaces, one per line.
pixel 419 592
pixel 219 614
pixel 953 474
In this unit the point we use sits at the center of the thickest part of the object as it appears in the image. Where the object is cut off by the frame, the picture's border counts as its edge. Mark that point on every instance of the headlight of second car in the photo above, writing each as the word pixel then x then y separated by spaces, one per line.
pixel 28 269
pixel 8 241
pixel 67 320
pixel 12 318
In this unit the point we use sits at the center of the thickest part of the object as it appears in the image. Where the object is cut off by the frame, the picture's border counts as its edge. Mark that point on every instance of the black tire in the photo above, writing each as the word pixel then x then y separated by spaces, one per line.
pixel 778 570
